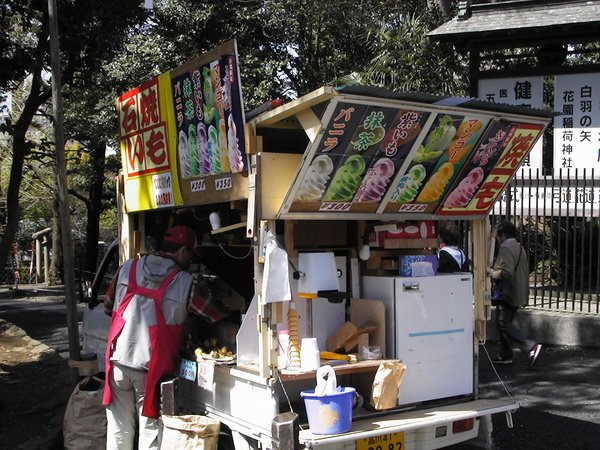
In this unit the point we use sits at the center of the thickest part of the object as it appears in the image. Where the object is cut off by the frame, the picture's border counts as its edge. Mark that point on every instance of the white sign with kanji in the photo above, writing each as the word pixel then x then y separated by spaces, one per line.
pixel 577 130
pixel 520 91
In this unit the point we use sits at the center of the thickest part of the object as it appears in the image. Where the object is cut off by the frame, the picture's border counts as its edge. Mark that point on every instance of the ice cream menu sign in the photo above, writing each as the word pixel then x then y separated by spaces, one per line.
pixel 209 122
pixel 406 159
pixel 182 136
pixel 490 167
pixel 436 163
pixel 362 150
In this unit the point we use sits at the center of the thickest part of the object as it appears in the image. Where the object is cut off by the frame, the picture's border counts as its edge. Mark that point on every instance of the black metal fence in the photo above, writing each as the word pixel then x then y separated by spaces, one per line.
pixel 559 223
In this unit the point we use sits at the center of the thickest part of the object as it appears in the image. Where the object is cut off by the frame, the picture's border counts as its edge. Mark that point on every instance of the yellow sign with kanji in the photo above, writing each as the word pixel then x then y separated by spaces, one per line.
pixel 147 145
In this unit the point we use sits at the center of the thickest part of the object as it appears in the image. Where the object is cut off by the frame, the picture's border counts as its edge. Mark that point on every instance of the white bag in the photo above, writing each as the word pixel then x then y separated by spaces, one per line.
pixel 326 381
pixel 276 279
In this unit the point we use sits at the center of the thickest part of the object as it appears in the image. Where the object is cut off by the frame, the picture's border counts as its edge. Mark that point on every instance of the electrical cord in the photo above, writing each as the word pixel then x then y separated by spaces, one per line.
pixel 497 374
pixel 233 256
pixel 286 396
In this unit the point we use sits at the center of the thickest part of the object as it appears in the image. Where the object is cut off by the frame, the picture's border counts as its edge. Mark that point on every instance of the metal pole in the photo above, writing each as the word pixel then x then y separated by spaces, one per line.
pixel 61 179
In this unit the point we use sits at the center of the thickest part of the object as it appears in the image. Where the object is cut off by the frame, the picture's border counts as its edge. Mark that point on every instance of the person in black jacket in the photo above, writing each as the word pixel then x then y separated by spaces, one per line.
pixel 450 257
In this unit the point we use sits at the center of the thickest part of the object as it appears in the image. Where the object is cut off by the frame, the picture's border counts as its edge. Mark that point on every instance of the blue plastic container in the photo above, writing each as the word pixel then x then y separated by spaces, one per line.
pixel 331 413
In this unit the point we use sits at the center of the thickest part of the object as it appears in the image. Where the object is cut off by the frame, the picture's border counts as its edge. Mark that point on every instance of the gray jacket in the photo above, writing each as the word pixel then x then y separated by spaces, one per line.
pixel 132 348
pixel 516 276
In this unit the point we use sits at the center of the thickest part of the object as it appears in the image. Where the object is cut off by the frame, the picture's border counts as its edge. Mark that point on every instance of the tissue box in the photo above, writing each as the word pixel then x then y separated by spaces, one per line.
pixel 417 265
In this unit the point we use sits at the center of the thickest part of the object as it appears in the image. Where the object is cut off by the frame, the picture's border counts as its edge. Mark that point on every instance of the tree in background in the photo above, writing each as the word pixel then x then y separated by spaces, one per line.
pixel 404 56
pixel 287 48
pixel 90 33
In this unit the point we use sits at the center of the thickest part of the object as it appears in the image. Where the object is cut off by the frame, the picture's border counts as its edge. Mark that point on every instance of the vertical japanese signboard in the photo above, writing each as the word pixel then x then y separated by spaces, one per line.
pixel 577 130
pixel 494 161
pixel 145 124
pixel 521 91
pixel 210 129
pixel 182 139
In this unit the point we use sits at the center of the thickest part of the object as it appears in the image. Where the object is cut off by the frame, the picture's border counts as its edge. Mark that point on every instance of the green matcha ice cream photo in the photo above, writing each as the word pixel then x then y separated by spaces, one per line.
pixel 346 180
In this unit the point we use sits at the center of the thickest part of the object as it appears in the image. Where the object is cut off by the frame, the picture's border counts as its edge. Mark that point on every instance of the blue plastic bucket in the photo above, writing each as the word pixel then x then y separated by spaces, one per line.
pixel 331 413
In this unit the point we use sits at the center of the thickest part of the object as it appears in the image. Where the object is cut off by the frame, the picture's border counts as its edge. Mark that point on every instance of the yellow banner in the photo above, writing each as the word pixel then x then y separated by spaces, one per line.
pixel 148 146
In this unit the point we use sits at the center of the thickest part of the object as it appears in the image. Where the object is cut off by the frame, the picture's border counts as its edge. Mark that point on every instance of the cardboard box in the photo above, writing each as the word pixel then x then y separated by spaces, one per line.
pixel 366 313
pixel 409 243
pixel 417 265
pixel 356 343
pixel 337 340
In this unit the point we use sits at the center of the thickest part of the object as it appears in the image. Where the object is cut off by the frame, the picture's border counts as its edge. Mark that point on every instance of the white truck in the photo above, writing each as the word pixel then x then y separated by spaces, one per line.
pixel 355 175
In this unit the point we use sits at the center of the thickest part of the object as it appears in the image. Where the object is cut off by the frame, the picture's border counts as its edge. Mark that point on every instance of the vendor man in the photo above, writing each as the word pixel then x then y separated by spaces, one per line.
pixel 148 300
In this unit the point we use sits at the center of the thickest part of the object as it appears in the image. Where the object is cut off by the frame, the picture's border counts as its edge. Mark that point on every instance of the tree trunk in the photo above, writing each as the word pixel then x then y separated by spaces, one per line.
pixel 37 96
pixel 55 270
pixel 97 153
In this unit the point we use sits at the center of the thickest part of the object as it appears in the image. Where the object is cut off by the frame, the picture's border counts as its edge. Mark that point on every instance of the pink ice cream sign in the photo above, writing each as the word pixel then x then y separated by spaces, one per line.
pixel 480 185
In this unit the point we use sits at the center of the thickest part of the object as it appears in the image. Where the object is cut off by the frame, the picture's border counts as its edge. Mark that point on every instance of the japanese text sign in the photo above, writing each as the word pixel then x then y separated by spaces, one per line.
pixel 144 124
pixel 362 149
pixel 577 130
pixel 518 91
pixel 493 163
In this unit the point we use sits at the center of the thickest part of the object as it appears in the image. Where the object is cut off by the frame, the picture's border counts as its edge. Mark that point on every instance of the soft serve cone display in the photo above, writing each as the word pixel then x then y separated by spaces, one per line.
pixel 294 351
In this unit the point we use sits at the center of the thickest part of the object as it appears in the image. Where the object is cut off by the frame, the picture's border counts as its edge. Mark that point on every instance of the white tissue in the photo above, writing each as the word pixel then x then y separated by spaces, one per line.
pixel 326 381
pixel 422 269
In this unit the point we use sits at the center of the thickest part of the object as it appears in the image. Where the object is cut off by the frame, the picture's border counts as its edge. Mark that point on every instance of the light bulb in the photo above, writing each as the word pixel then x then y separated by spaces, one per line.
pixel 365 252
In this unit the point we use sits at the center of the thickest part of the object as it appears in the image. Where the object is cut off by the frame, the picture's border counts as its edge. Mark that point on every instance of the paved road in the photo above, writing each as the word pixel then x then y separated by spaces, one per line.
pixel 41 312
pixel 559 398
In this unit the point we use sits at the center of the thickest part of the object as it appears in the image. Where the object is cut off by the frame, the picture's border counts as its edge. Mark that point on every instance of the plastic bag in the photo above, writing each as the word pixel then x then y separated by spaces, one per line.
pixel 84 424
pixel 276 280
pixel 422 269
pixel 326 381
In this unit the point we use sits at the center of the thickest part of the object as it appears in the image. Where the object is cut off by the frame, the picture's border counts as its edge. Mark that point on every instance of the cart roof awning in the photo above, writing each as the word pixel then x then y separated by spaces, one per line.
pixel 377 154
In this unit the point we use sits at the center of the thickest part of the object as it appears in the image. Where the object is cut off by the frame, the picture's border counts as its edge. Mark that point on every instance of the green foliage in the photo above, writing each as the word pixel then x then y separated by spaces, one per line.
pixel 286 48
pixel 405 59
pixel 90 34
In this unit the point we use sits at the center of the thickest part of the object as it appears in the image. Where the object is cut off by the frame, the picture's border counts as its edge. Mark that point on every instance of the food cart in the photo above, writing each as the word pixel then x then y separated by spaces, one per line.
pixel 320 203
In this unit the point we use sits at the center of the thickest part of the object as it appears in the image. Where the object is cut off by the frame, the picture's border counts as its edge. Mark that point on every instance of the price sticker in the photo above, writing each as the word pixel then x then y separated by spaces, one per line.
pixel 187 370
pixel 223 183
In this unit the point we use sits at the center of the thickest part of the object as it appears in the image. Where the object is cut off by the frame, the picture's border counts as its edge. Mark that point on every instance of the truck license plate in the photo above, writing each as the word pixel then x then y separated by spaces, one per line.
pixel 391 441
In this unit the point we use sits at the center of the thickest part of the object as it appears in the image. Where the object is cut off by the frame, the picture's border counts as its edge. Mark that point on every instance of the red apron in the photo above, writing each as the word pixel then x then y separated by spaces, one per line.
pixel 165 341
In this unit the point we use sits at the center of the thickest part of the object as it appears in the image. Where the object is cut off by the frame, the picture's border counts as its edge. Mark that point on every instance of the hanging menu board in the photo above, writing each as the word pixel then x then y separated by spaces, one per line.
pixel 210 130
pixel 182 138
pixel 492 164
pixel 436 163
pixel 382 158
pixel 363 149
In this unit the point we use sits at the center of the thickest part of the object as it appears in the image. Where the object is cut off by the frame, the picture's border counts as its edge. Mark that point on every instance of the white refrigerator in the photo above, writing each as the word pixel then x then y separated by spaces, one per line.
pixel 429 326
